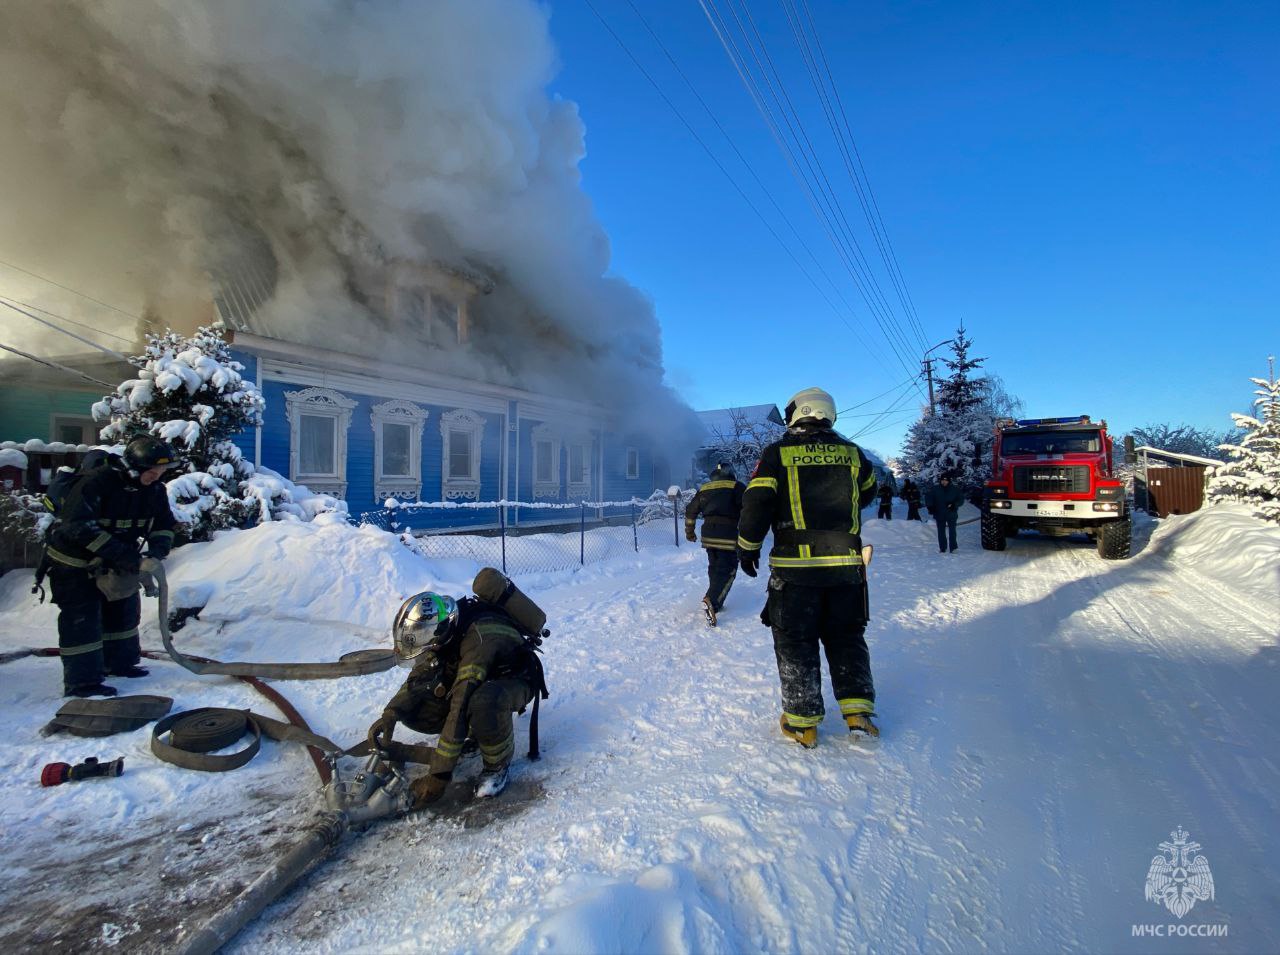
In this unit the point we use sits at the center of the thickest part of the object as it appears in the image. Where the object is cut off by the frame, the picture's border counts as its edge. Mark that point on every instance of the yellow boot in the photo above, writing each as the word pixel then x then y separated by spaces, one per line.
pixel 861 727
pixel 806 736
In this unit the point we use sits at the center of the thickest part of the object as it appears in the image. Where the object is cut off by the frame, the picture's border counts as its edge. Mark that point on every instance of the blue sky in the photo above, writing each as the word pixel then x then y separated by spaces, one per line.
pixel 1091 188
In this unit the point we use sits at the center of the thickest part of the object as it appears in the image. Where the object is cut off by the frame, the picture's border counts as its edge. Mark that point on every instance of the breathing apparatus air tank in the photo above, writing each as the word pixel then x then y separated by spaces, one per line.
pixel 493 586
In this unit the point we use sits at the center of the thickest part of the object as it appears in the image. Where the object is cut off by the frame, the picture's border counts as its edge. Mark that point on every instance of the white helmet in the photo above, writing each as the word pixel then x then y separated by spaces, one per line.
pixel 812 404
pixel 424 621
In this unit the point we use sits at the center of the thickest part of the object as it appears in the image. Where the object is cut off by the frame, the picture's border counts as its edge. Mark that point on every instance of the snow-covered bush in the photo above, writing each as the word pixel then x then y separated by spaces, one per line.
pixel 1252 476
pixel 23 517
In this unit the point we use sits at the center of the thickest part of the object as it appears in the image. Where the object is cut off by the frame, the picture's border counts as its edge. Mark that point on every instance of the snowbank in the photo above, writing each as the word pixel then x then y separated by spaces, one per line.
pixel 1225 542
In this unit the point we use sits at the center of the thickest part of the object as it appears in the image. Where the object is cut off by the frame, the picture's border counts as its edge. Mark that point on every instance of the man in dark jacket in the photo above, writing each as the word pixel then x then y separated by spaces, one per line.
pixel 944 504
pixel 92 548
pixel 809 488
pixel 719 502
pixel 473 671
pixel 911 494
pixel 886 502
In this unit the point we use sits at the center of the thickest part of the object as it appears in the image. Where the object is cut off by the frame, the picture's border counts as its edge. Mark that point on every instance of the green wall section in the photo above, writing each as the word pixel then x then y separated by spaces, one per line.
pixel 27 413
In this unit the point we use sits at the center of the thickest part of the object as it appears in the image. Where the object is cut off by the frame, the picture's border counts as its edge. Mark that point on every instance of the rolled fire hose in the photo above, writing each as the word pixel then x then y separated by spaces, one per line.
pixel 356 663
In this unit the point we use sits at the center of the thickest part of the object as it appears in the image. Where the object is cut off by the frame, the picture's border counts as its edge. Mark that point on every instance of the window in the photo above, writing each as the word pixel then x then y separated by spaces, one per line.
pixel 546 462
pixel 444 314
pixel 462 432
pixel 633 464
pixel 413 307
pixel 397 449
pixel 73 429
pixel 579 470
pixel 318 423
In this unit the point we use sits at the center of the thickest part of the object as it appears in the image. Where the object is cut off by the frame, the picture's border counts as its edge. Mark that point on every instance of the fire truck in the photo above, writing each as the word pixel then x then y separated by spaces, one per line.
pixel 1056 476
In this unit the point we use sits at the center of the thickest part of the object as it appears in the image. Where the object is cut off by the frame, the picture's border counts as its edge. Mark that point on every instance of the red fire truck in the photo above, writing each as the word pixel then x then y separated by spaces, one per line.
pixel 1056 476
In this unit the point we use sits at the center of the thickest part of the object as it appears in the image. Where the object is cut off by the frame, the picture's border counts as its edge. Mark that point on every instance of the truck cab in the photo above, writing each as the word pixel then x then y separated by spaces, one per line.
pixel 1055 476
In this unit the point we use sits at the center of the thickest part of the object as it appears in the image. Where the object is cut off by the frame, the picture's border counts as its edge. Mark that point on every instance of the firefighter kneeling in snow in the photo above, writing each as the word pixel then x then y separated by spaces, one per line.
pixel 810 487
pixel 472 668
pixel 719 502
pixel 92 561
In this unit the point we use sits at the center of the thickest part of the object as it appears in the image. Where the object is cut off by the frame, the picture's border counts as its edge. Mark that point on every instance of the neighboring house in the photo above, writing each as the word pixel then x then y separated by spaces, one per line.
pixel 1166 482
pixel 52 405
pixel 750 425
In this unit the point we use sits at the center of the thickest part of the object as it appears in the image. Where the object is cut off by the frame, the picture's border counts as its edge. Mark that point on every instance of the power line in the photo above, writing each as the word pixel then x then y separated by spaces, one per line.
pixel 54 364
pixel 67 288
pixel 79 338
pixel 69 321
pixel 881 395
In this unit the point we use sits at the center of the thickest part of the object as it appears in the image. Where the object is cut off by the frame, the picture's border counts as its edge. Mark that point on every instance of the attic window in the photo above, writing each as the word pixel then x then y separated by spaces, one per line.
pixel 446 320
pixel 413 307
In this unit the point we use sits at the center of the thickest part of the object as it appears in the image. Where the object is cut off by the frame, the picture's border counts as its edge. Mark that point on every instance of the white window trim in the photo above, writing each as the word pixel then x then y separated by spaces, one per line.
pixel 453 486
pixel 626 464
pixel 581 490
pixel 551 488
pixel 322 402
pixel 399 486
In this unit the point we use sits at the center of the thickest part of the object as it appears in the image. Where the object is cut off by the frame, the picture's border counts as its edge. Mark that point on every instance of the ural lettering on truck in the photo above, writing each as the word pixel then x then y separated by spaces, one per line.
pixel 1055 476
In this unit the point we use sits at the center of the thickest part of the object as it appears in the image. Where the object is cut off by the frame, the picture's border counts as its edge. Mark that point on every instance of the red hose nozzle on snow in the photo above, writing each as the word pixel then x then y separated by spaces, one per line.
pixel 55 774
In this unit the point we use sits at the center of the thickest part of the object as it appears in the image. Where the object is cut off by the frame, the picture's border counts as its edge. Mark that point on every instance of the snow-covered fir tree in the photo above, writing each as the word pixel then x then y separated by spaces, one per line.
pixel 956 437
pixel 189 391
pixel 1252 475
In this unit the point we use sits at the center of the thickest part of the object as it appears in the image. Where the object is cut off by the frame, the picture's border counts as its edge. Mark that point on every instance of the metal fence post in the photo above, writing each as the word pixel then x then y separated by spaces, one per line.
pixel 675 517
pixel 582 536
pixel 502 533
pixel 635 535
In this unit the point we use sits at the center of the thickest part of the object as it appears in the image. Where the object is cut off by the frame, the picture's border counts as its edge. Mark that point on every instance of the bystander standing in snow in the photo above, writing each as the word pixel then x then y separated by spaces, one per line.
pixel 944 504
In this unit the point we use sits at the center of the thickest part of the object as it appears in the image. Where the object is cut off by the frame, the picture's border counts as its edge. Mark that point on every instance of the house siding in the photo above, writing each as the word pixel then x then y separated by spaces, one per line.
pixel 27 413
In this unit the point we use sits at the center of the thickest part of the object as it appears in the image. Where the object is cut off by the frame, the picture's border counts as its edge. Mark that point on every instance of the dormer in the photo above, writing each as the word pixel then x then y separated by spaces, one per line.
pixel 433 301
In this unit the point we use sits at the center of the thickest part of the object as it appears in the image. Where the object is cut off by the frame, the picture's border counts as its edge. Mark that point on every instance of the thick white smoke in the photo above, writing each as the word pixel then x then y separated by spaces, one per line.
pixel 144 137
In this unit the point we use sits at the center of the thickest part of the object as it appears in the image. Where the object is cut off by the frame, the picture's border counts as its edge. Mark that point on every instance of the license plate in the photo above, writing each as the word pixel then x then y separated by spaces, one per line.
pixel 1049 510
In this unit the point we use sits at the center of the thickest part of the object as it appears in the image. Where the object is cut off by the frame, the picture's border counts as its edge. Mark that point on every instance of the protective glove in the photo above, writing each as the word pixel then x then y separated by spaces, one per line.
pixel 427 789
pixel 381 731
pixel 691 537
pixel 749 561
pixel 121 558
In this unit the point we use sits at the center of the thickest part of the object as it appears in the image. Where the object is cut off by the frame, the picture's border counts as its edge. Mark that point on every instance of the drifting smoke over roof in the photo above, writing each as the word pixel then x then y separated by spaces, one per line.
pixel 149 140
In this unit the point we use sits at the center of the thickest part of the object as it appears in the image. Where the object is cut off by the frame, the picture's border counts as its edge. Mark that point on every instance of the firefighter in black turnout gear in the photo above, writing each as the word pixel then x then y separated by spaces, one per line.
pixel 719 502
pixel 92 559
pixel 809 488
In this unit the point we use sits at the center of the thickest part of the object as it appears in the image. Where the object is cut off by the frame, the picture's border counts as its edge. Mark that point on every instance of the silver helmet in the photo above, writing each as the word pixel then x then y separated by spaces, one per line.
pixel 424 620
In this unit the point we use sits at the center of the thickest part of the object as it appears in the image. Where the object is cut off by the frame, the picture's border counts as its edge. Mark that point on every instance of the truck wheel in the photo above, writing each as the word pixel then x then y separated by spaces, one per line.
pixel 1113 539
pixel 993 531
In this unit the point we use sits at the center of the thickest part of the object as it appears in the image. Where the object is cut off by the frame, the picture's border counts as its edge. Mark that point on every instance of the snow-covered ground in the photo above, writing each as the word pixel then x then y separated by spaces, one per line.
pixel 1049 719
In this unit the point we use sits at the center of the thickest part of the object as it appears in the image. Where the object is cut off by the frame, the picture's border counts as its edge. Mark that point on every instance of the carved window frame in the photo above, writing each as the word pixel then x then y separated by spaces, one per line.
pixel 452 486
pixel 399 486
pixel 320 403
pixel 579 490
pixel 549 488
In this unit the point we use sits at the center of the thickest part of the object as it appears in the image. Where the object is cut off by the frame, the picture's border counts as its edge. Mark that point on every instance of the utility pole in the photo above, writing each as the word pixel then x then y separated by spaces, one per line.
pixel 928 368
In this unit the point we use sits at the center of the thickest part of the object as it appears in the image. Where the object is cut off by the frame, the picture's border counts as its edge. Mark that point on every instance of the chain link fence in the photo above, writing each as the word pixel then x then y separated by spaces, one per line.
pixel 562 536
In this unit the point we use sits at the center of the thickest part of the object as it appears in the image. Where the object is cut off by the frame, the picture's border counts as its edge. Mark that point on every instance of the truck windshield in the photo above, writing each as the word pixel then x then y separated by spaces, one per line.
pixel 1051 442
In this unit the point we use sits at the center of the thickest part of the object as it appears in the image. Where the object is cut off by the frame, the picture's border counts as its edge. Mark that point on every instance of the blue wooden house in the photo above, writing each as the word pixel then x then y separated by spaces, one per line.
pixel 366 429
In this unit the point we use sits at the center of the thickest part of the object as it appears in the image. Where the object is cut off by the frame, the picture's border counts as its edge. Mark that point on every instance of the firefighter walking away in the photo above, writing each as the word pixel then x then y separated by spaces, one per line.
pixel 719 503
pixel 809 489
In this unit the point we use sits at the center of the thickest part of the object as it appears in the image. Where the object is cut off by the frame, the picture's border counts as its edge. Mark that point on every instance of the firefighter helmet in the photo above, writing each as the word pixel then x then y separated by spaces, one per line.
pixel 812 404
pixel 723 472
pixel 424 622
pixel 146 452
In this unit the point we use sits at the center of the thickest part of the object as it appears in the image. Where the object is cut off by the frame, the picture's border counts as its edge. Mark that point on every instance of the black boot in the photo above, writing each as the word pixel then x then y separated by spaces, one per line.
pixel 131 673
pixel 90 689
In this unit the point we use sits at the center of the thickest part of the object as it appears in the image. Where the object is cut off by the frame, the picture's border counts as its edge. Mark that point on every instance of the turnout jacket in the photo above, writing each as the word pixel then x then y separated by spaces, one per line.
pixel 104 515
pixel 809 487
pixel 490 649
pixel 720 504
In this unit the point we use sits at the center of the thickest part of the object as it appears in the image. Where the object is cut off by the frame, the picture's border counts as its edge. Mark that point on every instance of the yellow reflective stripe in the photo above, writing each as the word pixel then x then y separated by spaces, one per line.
pixel 745 544
pixel 67 559
pixel 714 544
pixel 716 485
pixel 448 749
pixel 797 509
pixel 83 648
pixel 851 560
pixel 499 752
pixel 801 722
pixel 855 704
pixel 472 671
pixel 48 503
pixel 770 483
pixel 819 455
pixel 122 635
pixel 99 542
pixel 870 479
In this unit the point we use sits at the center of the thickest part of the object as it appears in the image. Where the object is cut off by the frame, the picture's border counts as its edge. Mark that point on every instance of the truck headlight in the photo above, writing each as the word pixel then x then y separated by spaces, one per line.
pixel 1106 505
pixel 999 504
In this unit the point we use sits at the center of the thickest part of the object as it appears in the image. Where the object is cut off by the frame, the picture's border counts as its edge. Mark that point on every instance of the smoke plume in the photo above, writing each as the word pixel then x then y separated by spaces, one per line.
pixel 150 141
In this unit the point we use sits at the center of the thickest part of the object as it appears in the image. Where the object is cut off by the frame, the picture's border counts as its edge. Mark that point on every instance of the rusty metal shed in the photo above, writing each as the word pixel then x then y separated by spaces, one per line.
pixel 1171 483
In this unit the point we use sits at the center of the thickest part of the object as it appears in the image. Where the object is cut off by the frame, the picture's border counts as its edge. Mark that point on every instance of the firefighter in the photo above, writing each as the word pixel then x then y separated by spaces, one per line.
pixel 92 558
pixel 911 494
pixel 471 670
pixel 809 488
pixel 886 502
pixel 719 502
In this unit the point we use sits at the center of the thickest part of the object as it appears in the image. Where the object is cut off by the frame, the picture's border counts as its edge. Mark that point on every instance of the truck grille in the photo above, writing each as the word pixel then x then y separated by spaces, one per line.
pixel 1051 479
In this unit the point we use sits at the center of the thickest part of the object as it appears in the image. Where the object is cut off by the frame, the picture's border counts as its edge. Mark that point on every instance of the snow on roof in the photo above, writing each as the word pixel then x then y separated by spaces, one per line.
pixel 720 420
pixel 1186 458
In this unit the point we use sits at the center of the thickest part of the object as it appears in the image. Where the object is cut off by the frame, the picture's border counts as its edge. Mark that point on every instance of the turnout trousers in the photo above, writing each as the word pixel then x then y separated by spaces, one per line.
pixel 722 568
pixel 803 617
pixel 96 636
pixel 489 720
pixel 913 511
pixel 885 512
